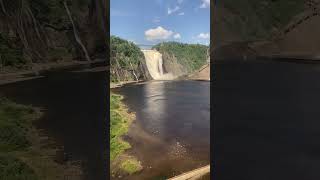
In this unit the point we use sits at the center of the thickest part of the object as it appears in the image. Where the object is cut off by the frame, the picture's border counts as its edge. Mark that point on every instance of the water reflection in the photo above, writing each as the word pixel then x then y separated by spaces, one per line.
pixel 172 111
pixel 172 124
pixel 154 109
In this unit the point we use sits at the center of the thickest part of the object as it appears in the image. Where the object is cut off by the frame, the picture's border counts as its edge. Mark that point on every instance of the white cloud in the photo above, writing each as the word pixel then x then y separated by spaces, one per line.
pixel 158 33
pixel 205 4
pixel 177 36
pixel 180 1
pixel 170 11
pixel 181 14
pixel 203 36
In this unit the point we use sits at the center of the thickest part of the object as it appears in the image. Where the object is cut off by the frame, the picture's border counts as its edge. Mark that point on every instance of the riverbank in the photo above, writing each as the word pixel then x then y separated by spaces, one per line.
pixel 15 75
pixel 120 121
pixel 122 83
pixel 23 152
pixel 202 74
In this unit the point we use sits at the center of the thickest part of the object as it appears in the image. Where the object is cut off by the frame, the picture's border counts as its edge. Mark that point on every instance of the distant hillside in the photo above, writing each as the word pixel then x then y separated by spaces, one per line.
pixel 182 58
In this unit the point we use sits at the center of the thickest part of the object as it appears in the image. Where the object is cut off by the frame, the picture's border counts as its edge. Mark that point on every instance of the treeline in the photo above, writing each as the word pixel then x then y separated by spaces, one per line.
pixel 190 56
pixel 127 61
pixel 41 31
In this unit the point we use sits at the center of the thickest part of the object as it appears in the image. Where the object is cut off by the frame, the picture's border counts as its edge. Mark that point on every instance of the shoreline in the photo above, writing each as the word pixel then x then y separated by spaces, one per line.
pixel 38 155
pixel 143 142
pixel 121 162
pixel 114 85
pixel 37 69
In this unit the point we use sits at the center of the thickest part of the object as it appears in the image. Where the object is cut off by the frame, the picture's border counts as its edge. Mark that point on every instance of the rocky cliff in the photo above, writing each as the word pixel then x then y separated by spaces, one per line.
pixel 181 59
pixel 127 62
pixel 40 31
pixel 266 27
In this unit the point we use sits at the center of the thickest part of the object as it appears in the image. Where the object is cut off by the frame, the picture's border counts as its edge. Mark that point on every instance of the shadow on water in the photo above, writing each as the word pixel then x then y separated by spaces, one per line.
pixel 171 133
pixel 266 121
pixel 74 111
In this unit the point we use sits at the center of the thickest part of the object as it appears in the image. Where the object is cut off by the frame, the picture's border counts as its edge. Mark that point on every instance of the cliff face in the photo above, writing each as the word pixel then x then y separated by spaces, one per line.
pixel 267 26
pixel 40 31
pixel 127 62
pixel 181 59
pixel 248 20
pixel 171 65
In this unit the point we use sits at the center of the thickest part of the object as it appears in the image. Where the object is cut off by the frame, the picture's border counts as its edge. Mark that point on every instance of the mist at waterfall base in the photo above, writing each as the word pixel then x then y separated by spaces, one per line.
pixel 154 63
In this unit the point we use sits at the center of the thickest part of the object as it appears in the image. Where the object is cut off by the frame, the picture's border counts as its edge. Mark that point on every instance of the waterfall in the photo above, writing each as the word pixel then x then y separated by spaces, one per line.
pixel 76 35
pixel 160 65
pixel 154 63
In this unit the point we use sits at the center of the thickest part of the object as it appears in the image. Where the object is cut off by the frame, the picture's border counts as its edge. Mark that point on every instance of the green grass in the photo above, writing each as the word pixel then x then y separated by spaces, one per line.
pixel 14 169
pixel 23 153
pixel 131 166
pixel 120 120
pixel 119 126
pixel 15 123
pixel 119 123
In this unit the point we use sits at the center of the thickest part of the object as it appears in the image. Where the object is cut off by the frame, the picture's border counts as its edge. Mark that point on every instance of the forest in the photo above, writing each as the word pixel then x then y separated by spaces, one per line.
pixel 126 61
pixel 43 31
pixel 190 56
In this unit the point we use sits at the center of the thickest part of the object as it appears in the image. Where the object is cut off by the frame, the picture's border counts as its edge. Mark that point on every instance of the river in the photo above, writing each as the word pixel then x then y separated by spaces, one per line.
pixel 266 121
pixel 74 105
pixel 171 133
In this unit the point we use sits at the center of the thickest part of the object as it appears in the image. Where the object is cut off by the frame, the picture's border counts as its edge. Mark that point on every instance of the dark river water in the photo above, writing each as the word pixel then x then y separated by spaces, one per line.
pixel 74 106
pixel 171 133
pixel 266 121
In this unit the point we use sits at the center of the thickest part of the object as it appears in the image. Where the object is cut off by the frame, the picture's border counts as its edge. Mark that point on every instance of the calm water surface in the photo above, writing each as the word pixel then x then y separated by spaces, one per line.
pixel 74 106
pixel 266 121
pixel 171 133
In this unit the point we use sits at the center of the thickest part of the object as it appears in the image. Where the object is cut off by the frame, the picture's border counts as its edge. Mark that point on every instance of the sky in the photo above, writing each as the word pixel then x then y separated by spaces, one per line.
pixel 153 21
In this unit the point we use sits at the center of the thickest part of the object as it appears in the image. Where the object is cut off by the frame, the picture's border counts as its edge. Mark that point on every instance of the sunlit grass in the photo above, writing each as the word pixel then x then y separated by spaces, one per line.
pixel 120 121
pixel 131 165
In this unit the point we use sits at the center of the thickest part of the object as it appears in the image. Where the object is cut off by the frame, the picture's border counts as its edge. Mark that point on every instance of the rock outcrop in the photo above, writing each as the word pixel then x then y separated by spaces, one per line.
pixel 41 31
pixel 266 27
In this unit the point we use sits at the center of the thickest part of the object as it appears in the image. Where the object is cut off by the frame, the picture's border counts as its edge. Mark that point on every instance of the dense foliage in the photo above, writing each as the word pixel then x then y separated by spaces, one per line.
pixel 125 60
pixel 40 31
pixel 259 19
pixel 15 124
pixel 191 56
pixel 10 52
pixel 14 169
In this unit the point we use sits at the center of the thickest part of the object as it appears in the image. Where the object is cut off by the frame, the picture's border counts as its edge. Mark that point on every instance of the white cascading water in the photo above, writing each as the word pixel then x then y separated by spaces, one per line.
pixel 160 65
pixel 155 65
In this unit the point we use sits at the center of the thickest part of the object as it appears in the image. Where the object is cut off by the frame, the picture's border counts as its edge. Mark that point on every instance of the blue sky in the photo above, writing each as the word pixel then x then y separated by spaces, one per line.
pixel 154 21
